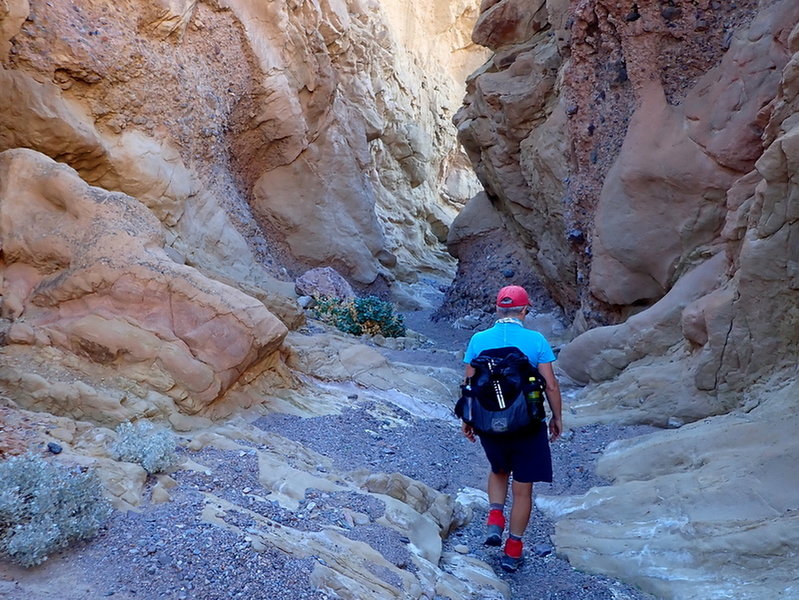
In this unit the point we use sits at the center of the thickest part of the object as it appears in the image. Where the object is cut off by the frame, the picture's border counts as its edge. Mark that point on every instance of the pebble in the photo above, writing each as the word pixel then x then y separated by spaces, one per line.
pixel 461 549
pixel 54 448
pixel 675 423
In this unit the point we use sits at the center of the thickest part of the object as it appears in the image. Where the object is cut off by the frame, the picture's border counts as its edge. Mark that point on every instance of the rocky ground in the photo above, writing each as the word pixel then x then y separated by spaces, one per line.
pixel 167 551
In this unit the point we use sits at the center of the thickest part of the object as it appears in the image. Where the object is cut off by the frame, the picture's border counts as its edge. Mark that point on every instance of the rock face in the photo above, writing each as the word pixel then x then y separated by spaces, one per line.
pixel 85 271
pixel 512 127
pixel 671 218
pixel 252 130
pixel 232 142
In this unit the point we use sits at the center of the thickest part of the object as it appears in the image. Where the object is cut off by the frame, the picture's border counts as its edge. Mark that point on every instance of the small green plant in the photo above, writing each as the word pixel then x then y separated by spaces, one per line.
pixel 143 443
pixel 44 507
pixel 362 316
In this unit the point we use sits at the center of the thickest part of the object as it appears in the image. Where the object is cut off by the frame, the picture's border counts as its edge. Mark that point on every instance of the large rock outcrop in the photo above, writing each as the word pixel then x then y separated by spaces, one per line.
pixel 676 212
pixel 85 271
pixel 255 130
pixel 700 512
pixel 512 128
pixel 252 140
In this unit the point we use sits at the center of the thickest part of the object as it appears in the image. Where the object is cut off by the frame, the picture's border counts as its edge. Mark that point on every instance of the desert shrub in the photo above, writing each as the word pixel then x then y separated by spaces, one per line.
pixel 143 443
pixel 362 316
pixel 45 506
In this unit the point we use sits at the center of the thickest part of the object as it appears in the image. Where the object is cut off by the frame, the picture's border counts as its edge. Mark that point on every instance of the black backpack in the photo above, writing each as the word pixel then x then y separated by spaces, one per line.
pixel 505 394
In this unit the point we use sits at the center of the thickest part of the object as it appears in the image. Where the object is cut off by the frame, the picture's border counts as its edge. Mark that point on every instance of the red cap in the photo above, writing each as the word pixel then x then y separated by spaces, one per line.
pixel 512 296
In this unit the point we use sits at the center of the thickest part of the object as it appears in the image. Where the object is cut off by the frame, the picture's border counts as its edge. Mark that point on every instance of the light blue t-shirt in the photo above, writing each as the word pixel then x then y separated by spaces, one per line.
pixel 501 335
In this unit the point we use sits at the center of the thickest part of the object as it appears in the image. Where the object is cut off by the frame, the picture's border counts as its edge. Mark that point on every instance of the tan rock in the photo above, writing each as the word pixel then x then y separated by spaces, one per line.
pixel 12 14
pixel 706 507
pixel 326 159
pixel 336 357
pixel 603 352
pixel 169 17
pixel 636 257
pixel 37 117
pixel 504 22
pixel 422 498
pixel 159 494
pixel 713 488
pixel 478 217
pixel 324 281
pixel 114 296
pixel 724 110
pixel 474 575
pixel 267 97
pixel 512 128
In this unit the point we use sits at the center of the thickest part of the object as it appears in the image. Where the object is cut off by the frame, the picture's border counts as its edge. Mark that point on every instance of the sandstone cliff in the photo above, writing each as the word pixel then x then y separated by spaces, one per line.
pixel 642 154
pixel 234 144
pixel 167 169
pixel 211 113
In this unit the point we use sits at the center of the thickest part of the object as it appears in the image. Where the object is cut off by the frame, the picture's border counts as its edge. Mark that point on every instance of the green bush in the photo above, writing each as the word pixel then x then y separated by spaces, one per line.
pixel 143 443
pixel 44 507
pixel 362 316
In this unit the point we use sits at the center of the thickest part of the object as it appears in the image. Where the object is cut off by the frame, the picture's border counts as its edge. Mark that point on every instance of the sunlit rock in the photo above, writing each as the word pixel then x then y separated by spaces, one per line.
pixel 85 270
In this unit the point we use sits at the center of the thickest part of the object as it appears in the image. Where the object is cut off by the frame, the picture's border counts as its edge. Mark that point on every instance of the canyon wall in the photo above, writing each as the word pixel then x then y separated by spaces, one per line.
pixel 643 156
pixel 169 168
pixel 211 113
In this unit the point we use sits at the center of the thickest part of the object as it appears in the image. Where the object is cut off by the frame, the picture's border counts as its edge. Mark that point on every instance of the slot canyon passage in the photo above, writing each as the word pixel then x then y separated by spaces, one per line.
pixel 184 182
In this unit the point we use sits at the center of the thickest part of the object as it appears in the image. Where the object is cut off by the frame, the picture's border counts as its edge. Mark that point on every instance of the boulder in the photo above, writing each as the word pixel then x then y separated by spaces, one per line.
pixel 323 281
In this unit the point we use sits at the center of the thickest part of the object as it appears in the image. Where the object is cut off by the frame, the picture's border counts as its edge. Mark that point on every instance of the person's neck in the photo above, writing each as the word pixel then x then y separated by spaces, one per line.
pixel 511 320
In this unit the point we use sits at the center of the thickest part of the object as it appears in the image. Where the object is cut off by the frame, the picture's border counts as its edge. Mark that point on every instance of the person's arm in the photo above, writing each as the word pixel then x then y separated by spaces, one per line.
pixel 467 429
pixel 554 400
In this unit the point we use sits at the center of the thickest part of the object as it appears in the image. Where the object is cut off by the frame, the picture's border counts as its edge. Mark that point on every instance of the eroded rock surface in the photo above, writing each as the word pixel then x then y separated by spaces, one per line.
pixel 85 271
pixel 671 223
pixel 254 131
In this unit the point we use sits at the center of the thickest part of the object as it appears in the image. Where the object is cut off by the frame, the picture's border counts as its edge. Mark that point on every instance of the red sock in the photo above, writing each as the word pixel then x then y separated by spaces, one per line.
pixel 513 548
pixel 495 517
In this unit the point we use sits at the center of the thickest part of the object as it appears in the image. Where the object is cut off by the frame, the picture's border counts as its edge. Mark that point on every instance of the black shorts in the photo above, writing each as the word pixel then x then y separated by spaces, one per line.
pixel 525 455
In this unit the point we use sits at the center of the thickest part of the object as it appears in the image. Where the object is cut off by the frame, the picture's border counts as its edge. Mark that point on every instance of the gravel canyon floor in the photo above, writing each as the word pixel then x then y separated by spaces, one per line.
pixel 174 550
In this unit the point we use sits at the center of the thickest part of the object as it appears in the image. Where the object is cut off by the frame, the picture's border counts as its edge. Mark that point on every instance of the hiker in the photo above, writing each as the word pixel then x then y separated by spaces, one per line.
pixel 523 454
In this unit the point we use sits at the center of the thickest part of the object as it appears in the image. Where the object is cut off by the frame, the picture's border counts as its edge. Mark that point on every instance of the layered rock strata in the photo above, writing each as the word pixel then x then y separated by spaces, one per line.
pixel 85 272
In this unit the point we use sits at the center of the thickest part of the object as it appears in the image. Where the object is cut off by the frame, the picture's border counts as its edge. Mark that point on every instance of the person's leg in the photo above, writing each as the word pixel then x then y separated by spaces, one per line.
pixel 522 507
pixel 497 493
pixel 497 487
pixel 497 453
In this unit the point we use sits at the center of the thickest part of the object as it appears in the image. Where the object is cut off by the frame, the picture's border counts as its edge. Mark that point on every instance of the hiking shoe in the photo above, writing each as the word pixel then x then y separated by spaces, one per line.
pixel 512 556
pixel 494 528
pixel 493 535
